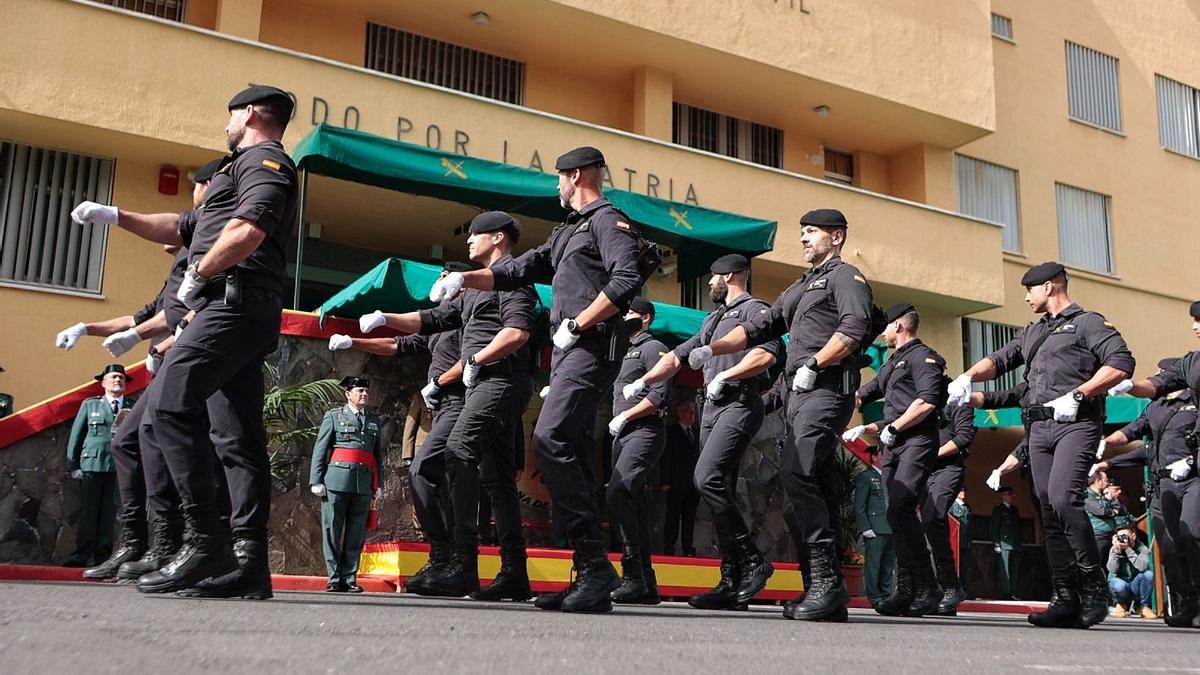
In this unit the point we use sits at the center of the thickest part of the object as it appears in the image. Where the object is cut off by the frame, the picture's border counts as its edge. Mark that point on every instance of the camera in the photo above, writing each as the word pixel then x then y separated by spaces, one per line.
pixel 1123 538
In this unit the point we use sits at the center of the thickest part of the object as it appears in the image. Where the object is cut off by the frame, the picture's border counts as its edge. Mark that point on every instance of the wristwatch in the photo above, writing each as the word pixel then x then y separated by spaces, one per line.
pixel 193 270
pixel 153 350
pixel 811 363
pixel 572 326
pixel 892 430
pixel 1078 396
pixel 471 361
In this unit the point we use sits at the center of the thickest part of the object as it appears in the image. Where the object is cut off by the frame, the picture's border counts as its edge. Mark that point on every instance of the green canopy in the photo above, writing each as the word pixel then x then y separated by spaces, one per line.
pixel 1120 410
pixel 697 235
pixel 397 285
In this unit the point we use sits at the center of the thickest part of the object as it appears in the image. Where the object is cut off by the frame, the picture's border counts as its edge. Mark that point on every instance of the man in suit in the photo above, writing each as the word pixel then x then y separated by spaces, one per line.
pixel 961 511
pixel 90 463
pixel 675 476
pixel 870 510
pixel 1006 542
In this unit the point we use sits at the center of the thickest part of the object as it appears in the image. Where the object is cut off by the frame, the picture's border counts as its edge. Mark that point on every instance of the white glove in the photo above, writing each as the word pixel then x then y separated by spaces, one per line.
pixel 854 433
pixel 77 474
pixel 631 390
pixel 470 372
pixel 699 356
pixel 868 534
pixel 318 489
pixel 993 480
pixel 617 424
pixel 153 362
pixel 179 330
pixel 1100 448
pixel 369 322
pixel 447 287
pixel 959 390
pixel 544 392
pixel 429 394
pixel 997 548
pixel 119 343
pixel 886 437
pixel 564 339
pixel 806 379
pixel 378 494
pixel 1092 471
pixel 338 341
pixel 190 287
pixel 1122 387
pixel 1180 469
pixel 1065 407
pixel 67 337
pixel 91 213
pixel 713 391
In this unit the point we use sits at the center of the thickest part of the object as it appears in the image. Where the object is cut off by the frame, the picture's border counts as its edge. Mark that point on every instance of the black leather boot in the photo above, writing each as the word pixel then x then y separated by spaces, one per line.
pixel 457 578
pixel 250 581
pixel 166 540
pixel 133 546
pixel 439 554
pixel 754 569
pixel 633 578
pixel 553 601
pixel 724 595
pixel 927 594
pixel 206 554
pixel 511 583
pixel 952 595
pixel 1063 610
pixel 651 597
pixel 825 593
pixel 596 578
pixel 1093 597
pixel 1182 610
pixel 901 599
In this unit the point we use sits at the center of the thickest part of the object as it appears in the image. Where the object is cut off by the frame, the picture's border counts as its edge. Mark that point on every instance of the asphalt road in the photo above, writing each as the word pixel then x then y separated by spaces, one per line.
pixel 68 628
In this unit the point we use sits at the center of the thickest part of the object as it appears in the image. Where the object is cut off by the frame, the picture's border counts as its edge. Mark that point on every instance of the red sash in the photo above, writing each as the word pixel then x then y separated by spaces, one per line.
pixel 356 456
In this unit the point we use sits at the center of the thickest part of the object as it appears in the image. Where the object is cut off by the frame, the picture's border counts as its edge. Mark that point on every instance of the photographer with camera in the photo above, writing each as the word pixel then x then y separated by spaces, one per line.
pixel 1130 577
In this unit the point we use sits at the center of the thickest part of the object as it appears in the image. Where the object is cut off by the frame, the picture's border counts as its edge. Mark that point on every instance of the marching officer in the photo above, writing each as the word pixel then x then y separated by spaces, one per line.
pixel 911 384
pixel 1072 357
pixel 592 262
pixel 89 462
pixel 345 475
pixel 236 272
pixel 870 511
pixel 733 414
pixel 956 432
pixel 827 315
pixel 638 438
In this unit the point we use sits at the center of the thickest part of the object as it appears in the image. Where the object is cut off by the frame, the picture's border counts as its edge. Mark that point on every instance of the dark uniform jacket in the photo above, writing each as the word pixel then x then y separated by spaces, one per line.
pixel 739 311
pixel 913 372
pixel 340 429
pixel 678 465
pixel 444 350
pixel 1006 528
pixel 956 423
pixel 644 352
pixel 1166 421
pixel 870 505
pixel 91 435
pixel 1185 374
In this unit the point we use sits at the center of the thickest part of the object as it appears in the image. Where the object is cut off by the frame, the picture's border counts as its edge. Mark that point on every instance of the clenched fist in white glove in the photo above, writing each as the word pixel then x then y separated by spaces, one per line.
pixel 959 390
pixel 617 424
pixel 993 480
pixel 67 337
pixel 153 363
pixel 631 390
pixel 699 356
pixel 854 433
pixel 77 474
pixel 318 489
pixel 715 388
pixel 369 322
pixel 1180 469
pixel 429 394
pixel 888 436
pixel 119 343
pixel 338 341
pixel 446 287
pixel 470 372
pixel 805 379
pixel 566 337
pixel 189 289
pixel 544 392
pixel 1065 407
pixel 869 534
pixel 1122 387
pixel 1100 448
pixel 91 213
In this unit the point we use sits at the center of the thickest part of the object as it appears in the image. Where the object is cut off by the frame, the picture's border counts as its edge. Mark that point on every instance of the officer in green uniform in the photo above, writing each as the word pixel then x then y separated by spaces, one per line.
pixel 1006 542
pixel 961 511
pixel 345 475
pixel 89 462
pixel 870 510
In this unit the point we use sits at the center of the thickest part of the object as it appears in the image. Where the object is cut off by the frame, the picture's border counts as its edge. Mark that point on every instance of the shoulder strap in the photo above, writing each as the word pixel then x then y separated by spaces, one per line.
pixel 712 327
pixel 557 256
pixel 1037 344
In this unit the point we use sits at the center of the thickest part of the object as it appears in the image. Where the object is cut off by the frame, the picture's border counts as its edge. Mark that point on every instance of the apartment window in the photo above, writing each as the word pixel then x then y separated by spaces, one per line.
pixel 447 65
pixel 839 167
pixel 989 191
pixel 1178 116
pixel 727 135
pixel 693 293
pixel 981 338
pixel 39 243
pixel 175 10
pixel 1093 94
pixel 1002 27
pixel 1085 228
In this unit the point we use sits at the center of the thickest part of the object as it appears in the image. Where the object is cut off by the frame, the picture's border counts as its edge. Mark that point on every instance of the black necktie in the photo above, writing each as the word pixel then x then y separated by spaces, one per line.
pixel 359 417
pixel 116 406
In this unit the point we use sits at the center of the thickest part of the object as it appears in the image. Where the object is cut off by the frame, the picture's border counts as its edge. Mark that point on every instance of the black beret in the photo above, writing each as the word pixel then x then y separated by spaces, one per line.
pixel 490 221
pixel 824 218
pixel 642 306
pixel 1042 273
pixel 261 93
pixel 1005 490
pixel 456 266
pixel 896 311
pixel 1194 310
pixel 1168 363
pixel 728 264
pixel 206 172
pixel 351 381
pixel 579 158
pixel 113 368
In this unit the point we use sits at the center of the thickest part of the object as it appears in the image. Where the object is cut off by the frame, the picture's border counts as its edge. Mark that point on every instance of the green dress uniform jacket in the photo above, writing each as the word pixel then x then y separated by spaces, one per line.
pixel 340 429
pixel 870 507
pixel 91 434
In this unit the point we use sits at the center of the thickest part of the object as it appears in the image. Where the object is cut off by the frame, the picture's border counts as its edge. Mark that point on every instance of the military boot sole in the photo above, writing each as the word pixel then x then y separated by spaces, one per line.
pixel 551 602
pixel 893 607
pixel 603 603
pixel 1041 620
pixel 831 604
pixel 255 592
pixel 172 584
pixel 508 592
pixel 109 568
pixel 133 571
pixel 706 602
pixel 1092 617
pixel 840 615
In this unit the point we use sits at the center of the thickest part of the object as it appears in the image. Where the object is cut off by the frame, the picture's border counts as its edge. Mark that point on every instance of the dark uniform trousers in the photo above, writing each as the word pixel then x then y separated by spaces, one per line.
pixel 807 463
pixel 1177 526
pixel 137 471
pixel 1060 455
pixel 941 489
pixel 562 439
pixel 906 469
pixel 97 510
pixel 430 485
pixel 726 430
pixel 635 452
pixel 480 453
pixel 217 362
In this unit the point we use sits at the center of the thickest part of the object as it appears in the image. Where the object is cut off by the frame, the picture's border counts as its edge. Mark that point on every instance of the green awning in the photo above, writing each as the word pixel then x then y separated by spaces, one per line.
pixel 1120 410
pixel 397 285
pixel 697 235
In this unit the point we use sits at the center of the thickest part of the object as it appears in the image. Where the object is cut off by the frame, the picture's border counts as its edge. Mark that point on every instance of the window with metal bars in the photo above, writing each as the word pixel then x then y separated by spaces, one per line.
pixel 727 135
pixel 1084 228
pixel 693 293
pixel 981 338
pixel 39 243
pixel 1178 116
pixel 417 57
pixel 1002 27
pixel 839 167
pixel 175 10
pixel 989 191
pixel 1093 92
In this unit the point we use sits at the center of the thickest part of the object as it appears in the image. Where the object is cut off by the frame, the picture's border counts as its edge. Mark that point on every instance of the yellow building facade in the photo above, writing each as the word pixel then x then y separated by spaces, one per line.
pixel 964 141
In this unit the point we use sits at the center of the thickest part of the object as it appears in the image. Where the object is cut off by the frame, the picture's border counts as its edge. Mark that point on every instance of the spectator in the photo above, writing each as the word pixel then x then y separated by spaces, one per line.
pixel 1006 542
pixel 1130 577
pixel 870 510
pixel 1102 511
pixel 675 477
pixel 961 511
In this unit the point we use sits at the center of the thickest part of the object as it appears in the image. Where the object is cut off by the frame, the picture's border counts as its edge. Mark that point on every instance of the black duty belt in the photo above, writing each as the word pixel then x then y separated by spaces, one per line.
pixel 1166 473
pixel 838 378
pixel 1039 413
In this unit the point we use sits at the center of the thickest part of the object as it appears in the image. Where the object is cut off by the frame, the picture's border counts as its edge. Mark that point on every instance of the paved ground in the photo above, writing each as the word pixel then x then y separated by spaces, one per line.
pixel 57 628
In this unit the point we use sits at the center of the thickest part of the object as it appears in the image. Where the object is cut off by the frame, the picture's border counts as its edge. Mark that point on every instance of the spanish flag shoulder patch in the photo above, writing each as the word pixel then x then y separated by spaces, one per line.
pixel 270 163
pixel 622 225
pixel 931 361
pixel 859 279
pixel 1108 324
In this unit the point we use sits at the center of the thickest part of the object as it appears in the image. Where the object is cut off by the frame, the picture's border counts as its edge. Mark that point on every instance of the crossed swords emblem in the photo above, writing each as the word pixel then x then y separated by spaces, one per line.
pixel 453 168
